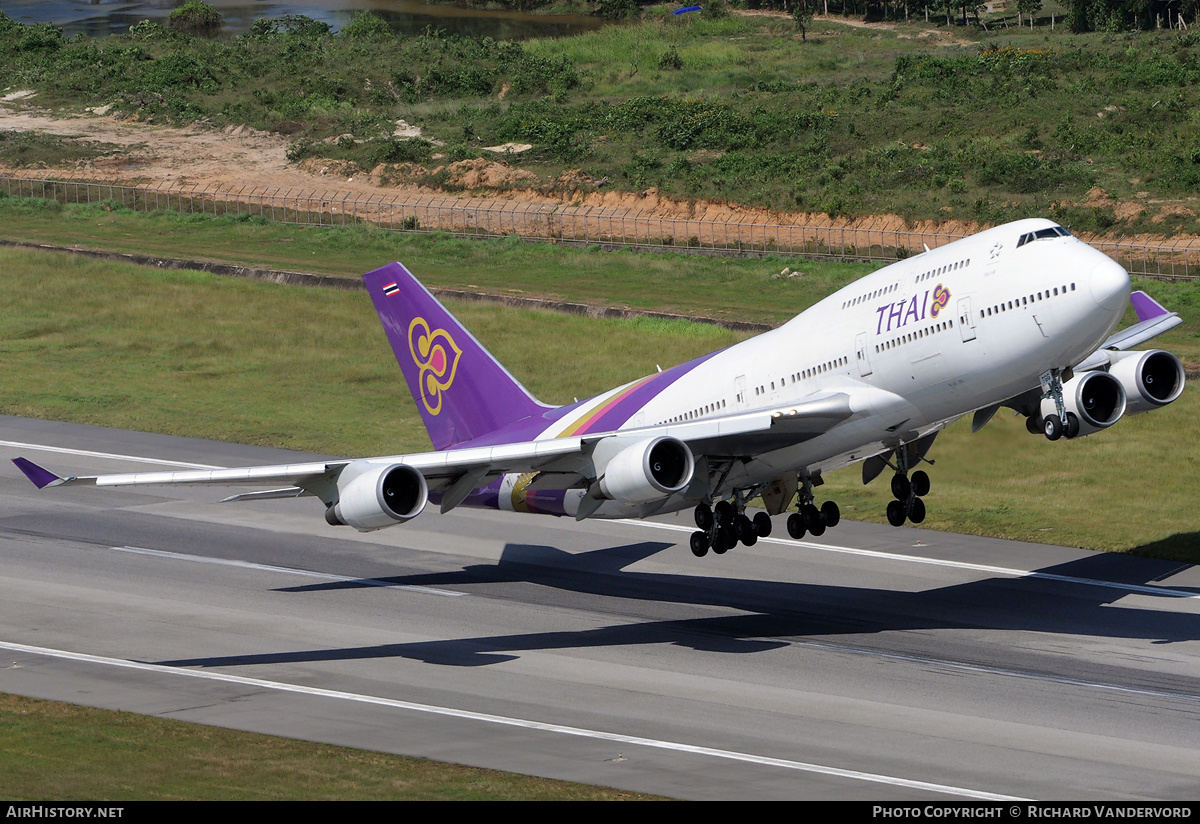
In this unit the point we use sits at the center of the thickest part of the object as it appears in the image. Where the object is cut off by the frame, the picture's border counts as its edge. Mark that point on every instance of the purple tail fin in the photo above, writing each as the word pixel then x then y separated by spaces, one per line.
pixel 461 391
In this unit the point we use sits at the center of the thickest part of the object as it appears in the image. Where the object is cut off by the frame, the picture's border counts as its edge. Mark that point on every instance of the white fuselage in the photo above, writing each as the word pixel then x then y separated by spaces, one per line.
pixel 941 334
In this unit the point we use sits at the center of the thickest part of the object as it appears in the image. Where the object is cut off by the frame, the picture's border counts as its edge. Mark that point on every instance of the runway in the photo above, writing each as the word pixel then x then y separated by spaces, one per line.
pixel 874 663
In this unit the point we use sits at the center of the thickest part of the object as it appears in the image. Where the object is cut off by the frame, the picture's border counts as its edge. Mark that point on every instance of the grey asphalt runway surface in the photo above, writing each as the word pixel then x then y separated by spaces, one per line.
pixel 873 663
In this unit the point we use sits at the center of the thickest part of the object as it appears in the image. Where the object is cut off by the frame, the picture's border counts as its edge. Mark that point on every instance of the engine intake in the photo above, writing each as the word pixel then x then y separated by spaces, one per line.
pixel 647 470
pixel 371 497
pixel 1151 379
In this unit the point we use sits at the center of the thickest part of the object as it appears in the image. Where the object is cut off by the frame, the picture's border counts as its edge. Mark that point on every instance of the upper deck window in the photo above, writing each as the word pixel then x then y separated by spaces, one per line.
pixel 1042 234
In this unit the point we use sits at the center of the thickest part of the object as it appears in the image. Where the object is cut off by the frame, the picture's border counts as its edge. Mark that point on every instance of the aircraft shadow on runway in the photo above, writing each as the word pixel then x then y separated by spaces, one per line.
pixel 773 614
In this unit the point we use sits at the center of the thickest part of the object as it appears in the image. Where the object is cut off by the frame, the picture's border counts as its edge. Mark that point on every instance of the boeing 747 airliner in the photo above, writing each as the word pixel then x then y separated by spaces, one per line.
pixel 1019 316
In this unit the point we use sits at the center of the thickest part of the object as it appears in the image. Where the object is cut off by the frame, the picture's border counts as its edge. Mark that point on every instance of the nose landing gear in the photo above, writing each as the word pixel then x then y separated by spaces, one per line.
pixel 1054 426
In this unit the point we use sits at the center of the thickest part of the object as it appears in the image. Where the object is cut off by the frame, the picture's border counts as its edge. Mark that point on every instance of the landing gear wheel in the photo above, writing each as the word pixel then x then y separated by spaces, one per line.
pixel 704 517
pixel 901 487
pixel 699 544
pixel 762 524
pixel 724 540
pixel 920 482
pixel 813 520
pixel 795 526
pixel 1072 428
pixel 916 512
pixel 1034 424
pixel 895 513
pixel 1052 427
pixel 830 514
pixel 743 527
pixel 723 511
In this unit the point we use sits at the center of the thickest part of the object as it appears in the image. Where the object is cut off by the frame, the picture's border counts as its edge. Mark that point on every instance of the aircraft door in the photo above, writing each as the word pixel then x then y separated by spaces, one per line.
pixel 860 347
pixel 966 321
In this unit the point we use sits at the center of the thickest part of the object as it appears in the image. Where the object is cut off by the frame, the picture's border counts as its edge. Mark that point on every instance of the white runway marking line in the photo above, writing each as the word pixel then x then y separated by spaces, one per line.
pixel 917 559
pixel 559 729
pixel 201 559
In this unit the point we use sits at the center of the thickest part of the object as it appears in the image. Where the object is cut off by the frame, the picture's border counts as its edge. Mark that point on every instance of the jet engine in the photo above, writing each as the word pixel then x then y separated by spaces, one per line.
pixel 1151 379
pixel 646 471
pixel 371 497
pixel 1096 399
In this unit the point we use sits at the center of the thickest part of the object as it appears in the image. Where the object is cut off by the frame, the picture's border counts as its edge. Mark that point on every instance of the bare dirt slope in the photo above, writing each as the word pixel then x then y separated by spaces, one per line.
pixel 238 159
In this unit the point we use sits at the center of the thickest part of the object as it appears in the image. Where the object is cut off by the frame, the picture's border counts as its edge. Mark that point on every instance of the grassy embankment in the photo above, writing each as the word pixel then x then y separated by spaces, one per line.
pixel 926 122
pixel 61 752
pixel 182 352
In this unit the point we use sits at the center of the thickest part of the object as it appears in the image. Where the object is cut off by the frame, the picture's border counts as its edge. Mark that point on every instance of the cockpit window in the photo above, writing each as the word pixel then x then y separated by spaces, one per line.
pixel 1043 234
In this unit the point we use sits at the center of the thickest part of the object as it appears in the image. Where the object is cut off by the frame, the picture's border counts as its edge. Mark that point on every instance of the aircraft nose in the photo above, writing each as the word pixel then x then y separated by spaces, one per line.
pixel 1110 285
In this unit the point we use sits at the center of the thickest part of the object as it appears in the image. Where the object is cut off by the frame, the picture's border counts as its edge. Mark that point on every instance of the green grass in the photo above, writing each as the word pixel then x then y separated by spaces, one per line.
pixel 62 752
pixel 728 288
pixel 174 351
pixel 192 354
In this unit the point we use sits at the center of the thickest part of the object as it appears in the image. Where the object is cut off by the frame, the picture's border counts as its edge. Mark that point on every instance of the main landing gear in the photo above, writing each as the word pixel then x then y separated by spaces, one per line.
pixel 721 527
pixel 908 505
pixel 906 490
pixel 808 518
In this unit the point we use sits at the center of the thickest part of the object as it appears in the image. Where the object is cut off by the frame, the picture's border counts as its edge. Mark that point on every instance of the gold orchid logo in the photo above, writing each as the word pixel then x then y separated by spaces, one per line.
pixel 436 355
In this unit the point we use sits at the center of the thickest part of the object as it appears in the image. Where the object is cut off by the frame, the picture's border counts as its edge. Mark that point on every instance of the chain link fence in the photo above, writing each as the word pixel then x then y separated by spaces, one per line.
pixel 610 227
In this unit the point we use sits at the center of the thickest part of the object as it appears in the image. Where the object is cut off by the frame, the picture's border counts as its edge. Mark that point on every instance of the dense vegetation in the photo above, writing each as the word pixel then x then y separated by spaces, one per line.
pixel 993 124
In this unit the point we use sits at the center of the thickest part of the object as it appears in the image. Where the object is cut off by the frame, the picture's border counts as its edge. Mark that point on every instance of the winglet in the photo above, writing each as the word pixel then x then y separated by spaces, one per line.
pixel 40 477
pixel 1147 307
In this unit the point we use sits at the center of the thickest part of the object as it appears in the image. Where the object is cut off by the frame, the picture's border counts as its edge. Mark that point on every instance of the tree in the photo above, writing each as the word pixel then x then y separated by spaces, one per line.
pixel 802 13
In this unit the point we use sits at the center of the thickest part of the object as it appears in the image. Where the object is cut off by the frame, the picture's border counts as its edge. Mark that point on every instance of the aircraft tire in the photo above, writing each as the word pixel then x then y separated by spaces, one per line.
pixel 895 513
pixel 901 487
pixel 743 527
pixel 699 544
pixel 1052 427
pixel 920 482
pixel 831 514
pixel 795 526
pixel 917 511
pixel 762 524
pixel 704 517
pixel 1033 425
pixel 1072 428
pixel 724 540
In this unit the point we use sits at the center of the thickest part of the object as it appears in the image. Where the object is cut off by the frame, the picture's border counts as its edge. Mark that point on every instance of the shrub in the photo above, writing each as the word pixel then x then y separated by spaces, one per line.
pixel 616 9
pixel 400 150
pixel 366 26
pixel 194 17
pixel 671 60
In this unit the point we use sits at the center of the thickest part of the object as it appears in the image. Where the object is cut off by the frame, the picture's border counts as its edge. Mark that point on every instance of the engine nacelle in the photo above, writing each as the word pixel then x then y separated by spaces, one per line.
pixel 1096 398
pixel 1151 379
pixel 371 497
pixel 646 471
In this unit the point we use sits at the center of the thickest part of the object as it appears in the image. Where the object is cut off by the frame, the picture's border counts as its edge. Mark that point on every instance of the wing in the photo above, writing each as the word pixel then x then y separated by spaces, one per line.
pixel 564 462
pixel 1153 320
